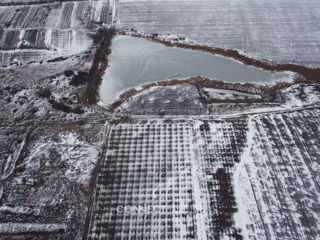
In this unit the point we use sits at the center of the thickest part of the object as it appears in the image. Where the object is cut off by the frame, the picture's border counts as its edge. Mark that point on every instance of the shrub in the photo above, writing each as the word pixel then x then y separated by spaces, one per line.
pixel 80 79
pixel 44 93
pixel 68 73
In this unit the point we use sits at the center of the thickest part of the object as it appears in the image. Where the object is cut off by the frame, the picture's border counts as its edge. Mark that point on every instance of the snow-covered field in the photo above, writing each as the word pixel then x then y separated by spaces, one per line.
pixel 56 28
pixel 162 180
pixel 224 94
pixel 48 153
pixel 277 180
pixel 283 31
pixel 198 160
pixel 45 181
pixel 258 179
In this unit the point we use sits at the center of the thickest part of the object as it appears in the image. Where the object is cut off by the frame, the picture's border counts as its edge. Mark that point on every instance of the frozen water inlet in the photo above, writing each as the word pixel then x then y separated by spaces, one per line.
pixel 137 61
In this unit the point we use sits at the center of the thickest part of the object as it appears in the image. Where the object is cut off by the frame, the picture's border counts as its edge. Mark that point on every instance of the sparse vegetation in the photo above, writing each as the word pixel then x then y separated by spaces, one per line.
pixel 99 65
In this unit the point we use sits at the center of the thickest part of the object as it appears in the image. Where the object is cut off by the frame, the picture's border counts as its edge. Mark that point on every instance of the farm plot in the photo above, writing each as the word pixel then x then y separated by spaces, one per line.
pixel 32 2
pixel 57 28
pixel 168 180
pixel 277 181
pixel 283 31
pixel 218 148
pixel 148 167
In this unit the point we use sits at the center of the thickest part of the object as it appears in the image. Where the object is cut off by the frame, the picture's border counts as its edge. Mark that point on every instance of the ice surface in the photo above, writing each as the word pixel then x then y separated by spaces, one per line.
pixel 135 61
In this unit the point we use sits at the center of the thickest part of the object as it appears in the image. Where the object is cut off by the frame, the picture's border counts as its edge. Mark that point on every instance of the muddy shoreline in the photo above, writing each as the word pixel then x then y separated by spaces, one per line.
pixel 201 82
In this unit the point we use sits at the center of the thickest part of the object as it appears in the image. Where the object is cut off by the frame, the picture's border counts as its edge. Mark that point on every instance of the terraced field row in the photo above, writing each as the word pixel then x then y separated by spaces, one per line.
pixel 62 27
pixel 34 2
pixel 60 15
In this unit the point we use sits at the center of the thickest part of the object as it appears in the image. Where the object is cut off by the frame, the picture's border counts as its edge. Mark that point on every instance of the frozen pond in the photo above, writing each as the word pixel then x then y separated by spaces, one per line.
pixel 137 61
